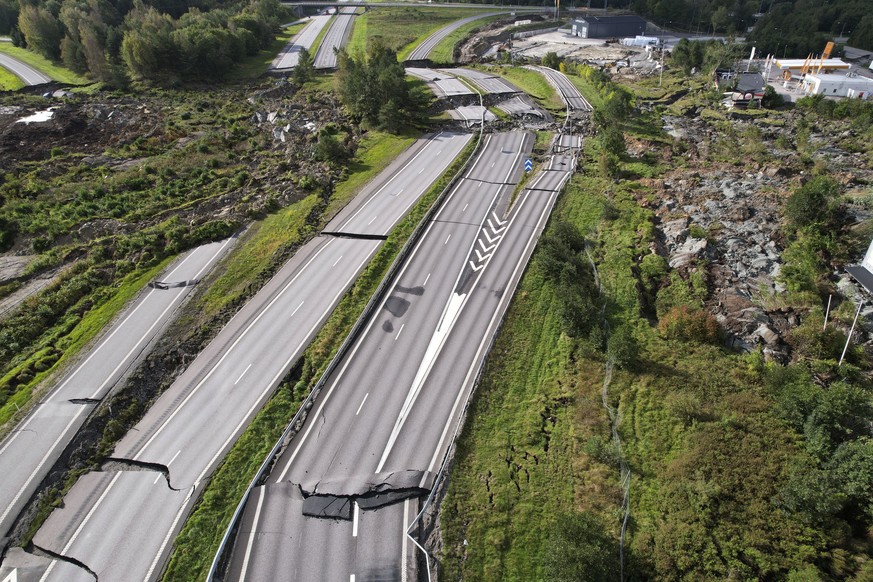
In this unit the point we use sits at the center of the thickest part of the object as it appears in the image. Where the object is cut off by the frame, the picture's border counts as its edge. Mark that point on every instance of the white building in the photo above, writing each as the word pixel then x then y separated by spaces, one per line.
pixel 838 85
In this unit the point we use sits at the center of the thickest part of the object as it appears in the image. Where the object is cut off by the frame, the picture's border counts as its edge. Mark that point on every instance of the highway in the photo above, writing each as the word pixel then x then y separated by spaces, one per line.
pixel 120 522
pixel 568 91
pixel 340 497
pixel 31 449
pixel 423 50
pixel 290 55
pixel 442 84
pixel 521 105
pixel 336 38
pixel 486 82
pixel 23 71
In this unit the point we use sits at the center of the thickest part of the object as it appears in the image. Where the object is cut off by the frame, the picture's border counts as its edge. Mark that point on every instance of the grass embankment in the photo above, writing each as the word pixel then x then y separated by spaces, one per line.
pixel 8 81
pixel 43 65
pixel 444 52
pixel 403 28
pixel 376 151
pixel 740 469
pixel 199 540
pixel 91 324
pixel 532 83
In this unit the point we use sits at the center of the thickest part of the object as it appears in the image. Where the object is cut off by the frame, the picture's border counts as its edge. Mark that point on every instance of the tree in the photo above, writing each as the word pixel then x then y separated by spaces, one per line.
pixel 42 31
pixel 375 89
pixel 305 69
pixel 551 60
pixel 581 549
pixel 148 48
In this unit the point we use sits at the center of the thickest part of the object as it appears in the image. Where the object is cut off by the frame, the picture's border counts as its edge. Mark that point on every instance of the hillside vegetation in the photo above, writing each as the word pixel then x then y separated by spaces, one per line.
pixel 738 466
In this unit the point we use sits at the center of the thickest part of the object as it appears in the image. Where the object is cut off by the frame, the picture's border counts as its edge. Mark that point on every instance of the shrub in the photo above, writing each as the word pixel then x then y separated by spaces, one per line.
pixel 691 325
pixel 623 348
pixel 813 203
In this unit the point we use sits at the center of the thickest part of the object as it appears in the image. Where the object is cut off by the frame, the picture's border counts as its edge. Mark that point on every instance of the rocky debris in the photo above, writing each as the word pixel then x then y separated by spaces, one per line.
pixel 726 218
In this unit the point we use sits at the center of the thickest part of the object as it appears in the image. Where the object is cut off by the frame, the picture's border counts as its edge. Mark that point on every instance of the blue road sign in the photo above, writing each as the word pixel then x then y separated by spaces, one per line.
pixel 528 165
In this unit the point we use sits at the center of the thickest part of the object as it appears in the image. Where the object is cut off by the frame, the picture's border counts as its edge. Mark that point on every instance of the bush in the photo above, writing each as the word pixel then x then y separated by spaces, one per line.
pixel 580 548
pixel 623 348
pixel 813 204
pixel 689 324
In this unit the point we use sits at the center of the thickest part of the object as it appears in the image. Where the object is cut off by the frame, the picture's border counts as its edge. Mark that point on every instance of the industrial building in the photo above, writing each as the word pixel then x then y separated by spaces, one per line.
pixel 795 67
pixel 837 85
pixel 608 26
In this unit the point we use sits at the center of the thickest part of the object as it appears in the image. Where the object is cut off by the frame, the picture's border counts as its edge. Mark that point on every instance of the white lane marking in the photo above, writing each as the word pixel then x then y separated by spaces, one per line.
pixel 543 217
pixel 361 405
pixel 399 332
pixel 336 262
pixel 492 165
pixel 474 267
pixel 252 534
pixel 404 552
pixel 447 240
pixel 158 478
pixel 426 279
pixel 351 357
pixel 447 322
pixel 484 248
pixel 57 441
pixel 79 529
pixel 421 170
pixel 298 308
pixel 465 207
pixel 450 315
pixel 355 517
pixel 396 174
pixel 241 375
pixel 12 577
pixel 352 578
pixel 230 350
pixel 372 220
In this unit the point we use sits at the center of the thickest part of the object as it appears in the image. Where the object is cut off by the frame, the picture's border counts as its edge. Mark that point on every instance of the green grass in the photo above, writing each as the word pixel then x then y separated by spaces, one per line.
pixel 534 84
pixel 43 65
pixel 200 537
pixel 8 81
pixel 444 51
pixel 402 28
pixel 87 329
pixel 376 151
pixel 264 238
pixel 256 65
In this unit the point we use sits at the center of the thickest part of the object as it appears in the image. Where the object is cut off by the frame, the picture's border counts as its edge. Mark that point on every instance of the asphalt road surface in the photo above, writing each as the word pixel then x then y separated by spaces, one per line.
pixel 520 106
pixel 486 82
pixel 29 451
pixel 422 51
pixel 442 84
pixel 25 72
pixel 339 499
pixel 290 55
pixel 568 91
pixel 336 38
pixel 120 522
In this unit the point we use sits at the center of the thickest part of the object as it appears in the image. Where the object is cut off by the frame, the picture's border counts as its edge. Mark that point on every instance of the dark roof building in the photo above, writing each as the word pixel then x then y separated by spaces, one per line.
pixel 608 26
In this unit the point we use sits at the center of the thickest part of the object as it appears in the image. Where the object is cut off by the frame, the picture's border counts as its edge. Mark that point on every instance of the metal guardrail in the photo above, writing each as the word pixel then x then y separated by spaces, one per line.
pixel 222 554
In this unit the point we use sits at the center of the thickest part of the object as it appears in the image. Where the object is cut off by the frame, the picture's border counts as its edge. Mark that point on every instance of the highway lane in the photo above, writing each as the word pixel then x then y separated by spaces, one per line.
pixel 423 50
pixel 341 448
pixel 568 91
pixel 442 84
pixel 521 105
pixel 486 82
pixel 121 522
pixel 290 55
pixel 28 453
pixel 336 38
pixel 23 71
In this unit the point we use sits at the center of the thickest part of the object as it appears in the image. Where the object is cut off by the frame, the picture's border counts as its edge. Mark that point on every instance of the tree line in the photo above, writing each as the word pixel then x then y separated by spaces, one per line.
pixel 112 41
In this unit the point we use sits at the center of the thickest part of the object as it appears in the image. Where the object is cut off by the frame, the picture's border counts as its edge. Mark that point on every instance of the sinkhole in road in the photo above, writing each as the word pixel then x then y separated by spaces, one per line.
pixel 114 465
pixel 335 498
